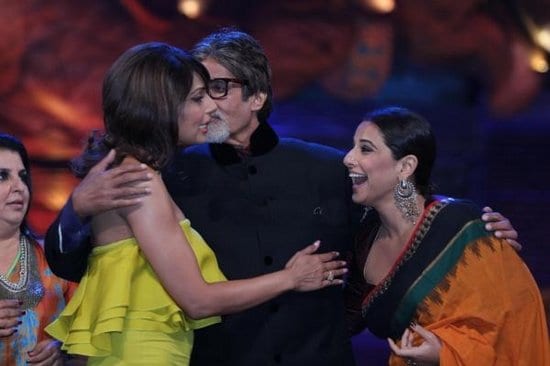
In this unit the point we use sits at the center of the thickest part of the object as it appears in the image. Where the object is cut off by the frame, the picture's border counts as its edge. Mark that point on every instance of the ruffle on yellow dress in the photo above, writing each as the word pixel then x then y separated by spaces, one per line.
pixel 120 293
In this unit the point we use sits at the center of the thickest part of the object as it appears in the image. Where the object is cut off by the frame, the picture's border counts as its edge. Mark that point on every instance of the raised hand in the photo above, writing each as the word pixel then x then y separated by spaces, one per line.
pixel 314 271
pixel 501 226
pixel 104 189
pixel 426 353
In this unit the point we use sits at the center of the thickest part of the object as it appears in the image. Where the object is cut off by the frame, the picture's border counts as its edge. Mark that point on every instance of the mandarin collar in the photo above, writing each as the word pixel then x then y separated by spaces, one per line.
pixel 263 140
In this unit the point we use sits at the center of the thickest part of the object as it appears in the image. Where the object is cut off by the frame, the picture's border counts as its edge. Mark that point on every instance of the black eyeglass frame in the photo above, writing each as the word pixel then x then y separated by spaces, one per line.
pixel 226 81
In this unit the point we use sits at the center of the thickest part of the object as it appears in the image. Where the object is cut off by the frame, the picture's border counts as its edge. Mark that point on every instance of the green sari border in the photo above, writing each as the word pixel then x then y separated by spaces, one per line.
pixel 433 275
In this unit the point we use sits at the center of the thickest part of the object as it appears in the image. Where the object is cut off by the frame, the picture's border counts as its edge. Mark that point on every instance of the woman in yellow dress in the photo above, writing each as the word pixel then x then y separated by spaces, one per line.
pixel 151 279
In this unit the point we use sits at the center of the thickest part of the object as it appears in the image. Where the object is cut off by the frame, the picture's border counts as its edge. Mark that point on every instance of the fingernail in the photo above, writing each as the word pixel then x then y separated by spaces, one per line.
pixel 498 234
pixel 488 226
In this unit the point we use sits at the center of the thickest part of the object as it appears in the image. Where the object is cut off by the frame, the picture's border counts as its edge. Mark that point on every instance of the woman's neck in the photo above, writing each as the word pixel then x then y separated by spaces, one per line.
pixel 9 236
pixel 9 246
pixel 392 221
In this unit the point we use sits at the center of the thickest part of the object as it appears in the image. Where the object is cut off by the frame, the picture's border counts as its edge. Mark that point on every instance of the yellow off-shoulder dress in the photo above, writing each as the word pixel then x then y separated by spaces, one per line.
pixel 121 315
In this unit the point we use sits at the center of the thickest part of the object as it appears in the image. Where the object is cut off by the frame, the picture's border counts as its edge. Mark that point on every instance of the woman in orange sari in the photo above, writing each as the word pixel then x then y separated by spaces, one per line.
pixel 426 274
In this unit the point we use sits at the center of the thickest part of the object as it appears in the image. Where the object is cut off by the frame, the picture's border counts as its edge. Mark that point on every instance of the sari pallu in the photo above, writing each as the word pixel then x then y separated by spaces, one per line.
pixel 466 286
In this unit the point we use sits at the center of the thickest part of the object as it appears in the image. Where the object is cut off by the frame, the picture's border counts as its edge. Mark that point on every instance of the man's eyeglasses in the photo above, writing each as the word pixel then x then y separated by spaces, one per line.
pixel 218 88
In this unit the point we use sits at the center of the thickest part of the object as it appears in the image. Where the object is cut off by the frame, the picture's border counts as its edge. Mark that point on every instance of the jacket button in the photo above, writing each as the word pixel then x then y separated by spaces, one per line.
pixel 268 260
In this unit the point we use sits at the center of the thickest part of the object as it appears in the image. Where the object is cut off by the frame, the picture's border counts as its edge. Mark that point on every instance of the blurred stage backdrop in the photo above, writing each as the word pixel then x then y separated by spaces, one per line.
pixel 476 68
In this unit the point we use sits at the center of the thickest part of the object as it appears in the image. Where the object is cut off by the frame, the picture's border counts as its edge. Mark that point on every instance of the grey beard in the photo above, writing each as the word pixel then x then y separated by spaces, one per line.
pixel 218 131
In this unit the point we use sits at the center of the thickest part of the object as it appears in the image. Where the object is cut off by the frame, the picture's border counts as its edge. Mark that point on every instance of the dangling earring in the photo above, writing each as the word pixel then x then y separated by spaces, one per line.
pixel 405 200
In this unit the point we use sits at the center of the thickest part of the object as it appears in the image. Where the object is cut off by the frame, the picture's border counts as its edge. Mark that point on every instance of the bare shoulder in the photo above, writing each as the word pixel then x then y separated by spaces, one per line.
pixel 158 201
pixel 130 160
pixel 109 227
pixel 155 174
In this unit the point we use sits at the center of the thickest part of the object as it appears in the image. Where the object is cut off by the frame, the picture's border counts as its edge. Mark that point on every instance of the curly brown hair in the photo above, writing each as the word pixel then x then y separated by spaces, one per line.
pixel 143 92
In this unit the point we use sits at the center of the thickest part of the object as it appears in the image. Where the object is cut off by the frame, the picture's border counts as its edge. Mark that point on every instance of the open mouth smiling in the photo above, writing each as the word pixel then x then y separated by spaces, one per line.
pixel 358 178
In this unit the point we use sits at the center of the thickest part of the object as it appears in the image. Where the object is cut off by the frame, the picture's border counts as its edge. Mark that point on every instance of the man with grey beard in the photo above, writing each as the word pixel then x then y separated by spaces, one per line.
pixel 218 130
pixel 255 198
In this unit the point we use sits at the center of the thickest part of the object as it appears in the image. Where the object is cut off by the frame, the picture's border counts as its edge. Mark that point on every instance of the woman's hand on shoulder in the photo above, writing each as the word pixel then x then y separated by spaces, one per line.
pixel 310 271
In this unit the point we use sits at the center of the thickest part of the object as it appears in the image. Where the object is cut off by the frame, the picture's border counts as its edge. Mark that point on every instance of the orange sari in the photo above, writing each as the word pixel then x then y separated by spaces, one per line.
pixel 466 286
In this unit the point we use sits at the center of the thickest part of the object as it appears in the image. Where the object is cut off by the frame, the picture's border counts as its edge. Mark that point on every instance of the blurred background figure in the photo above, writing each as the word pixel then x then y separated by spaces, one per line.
pixel 31 296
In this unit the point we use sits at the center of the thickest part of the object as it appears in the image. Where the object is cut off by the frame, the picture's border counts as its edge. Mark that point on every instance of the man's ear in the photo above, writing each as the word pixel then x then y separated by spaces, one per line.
pixel 258 101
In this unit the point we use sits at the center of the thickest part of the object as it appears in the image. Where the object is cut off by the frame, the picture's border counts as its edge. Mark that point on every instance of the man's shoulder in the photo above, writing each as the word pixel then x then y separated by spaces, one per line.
pixel 193 153
pixel 309 148
pixel 287 145
pixel 461 207
pixel 200 149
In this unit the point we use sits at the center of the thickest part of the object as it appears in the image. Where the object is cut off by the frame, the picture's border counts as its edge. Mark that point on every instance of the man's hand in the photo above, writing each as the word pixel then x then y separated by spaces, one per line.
pixel 501 226
pixel 104 189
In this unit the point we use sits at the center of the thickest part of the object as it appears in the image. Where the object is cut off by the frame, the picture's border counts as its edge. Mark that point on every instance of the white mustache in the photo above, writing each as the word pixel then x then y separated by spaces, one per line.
pixel 218 129
pixel 215 116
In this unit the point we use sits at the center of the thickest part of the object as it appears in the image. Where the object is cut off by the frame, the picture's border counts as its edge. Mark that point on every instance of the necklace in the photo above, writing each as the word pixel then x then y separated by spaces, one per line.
pixel 23 266
pixel 28 288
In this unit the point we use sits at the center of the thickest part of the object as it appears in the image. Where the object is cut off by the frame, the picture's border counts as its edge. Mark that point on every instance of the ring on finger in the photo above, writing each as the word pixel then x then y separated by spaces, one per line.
pixel 410 362
pixel 330 276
